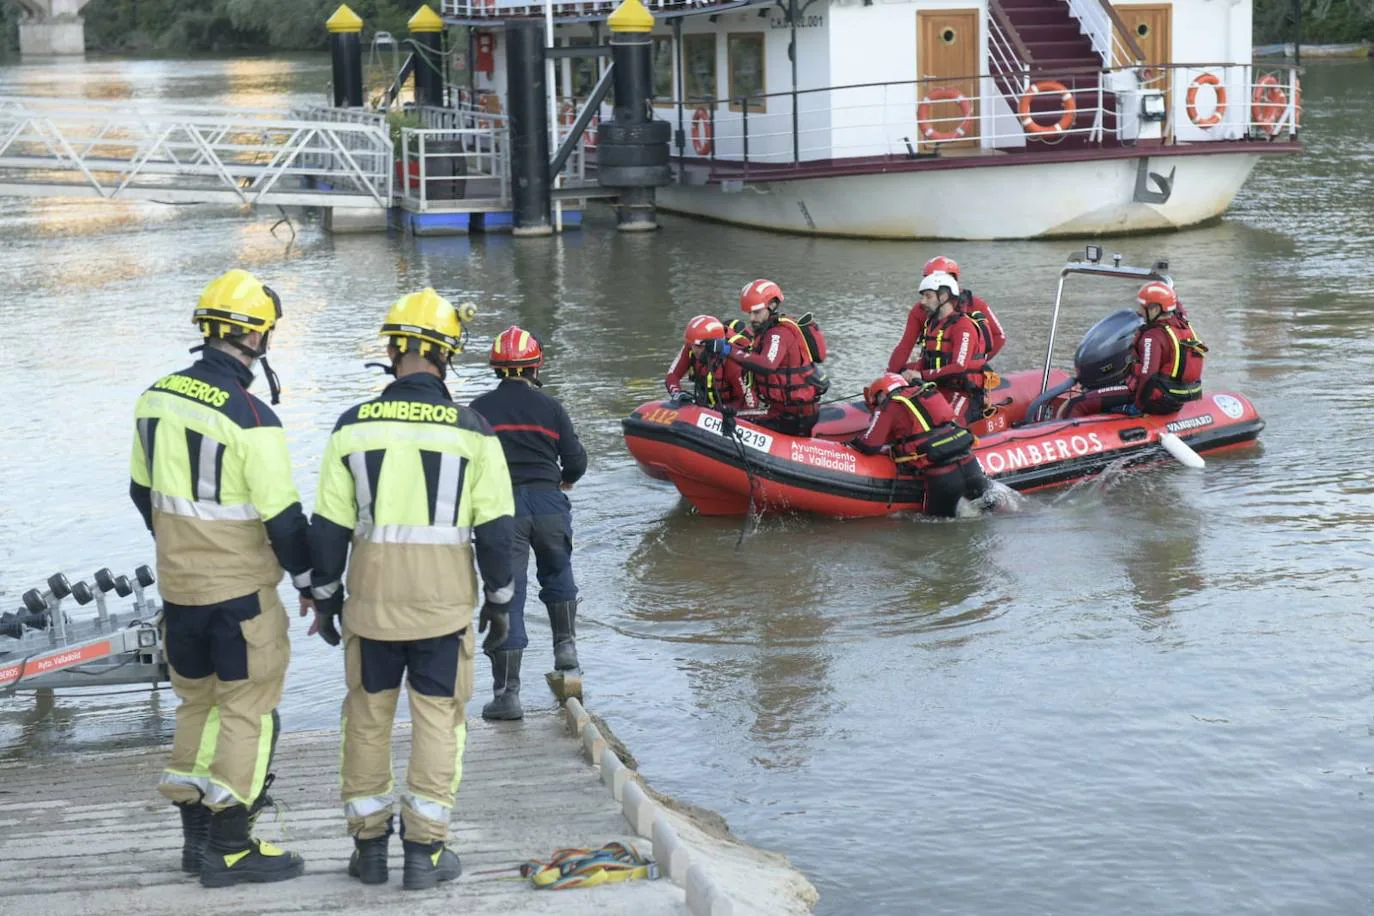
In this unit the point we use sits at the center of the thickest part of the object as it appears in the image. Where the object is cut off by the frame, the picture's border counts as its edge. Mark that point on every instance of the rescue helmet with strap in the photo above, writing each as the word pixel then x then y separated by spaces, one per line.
pixel 703 328
pixel 1159 294
pixel 515 349
pixel 427 323
pixel 759 294
pixel 236 303
pixel 882 386
pixel 940 280
pixel 941 264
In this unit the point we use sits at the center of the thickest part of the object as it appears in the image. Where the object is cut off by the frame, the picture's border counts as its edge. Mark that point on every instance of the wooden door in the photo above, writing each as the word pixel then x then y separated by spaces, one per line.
pixel 947 55
pixel 1152 29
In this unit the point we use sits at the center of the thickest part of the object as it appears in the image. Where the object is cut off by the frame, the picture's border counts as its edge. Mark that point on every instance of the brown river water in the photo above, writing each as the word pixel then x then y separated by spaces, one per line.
pixel 1149 693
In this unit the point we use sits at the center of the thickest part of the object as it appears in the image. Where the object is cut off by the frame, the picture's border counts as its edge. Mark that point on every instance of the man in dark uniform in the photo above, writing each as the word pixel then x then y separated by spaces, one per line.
pixel 545 458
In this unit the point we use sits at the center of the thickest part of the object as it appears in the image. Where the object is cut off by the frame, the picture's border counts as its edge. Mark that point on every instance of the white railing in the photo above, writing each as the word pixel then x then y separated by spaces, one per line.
pixel 1096 21
pixel 498 9
pixel 883 119
pixel 450 168
pixel 1004 62
pixel 190 154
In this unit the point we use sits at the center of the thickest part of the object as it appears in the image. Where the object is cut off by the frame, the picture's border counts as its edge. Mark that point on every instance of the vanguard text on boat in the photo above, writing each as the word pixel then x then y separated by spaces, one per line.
pixel 724 464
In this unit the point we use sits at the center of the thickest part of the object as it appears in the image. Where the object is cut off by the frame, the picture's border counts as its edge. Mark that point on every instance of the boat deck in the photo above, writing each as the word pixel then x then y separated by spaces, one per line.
pixel 86 834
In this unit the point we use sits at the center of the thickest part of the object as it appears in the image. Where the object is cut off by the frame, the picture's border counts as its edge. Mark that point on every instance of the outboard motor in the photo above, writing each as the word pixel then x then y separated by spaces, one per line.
pixel 1102 359
pixel 1104 356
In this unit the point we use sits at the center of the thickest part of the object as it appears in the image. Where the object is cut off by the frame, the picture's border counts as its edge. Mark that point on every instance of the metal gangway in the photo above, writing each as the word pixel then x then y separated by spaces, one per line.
pixel 181 153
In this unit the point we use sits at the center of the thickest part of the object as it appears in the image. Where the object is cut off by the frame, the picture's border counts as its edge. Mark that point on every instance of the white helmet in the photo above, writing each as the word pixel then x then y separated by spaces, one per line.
pixel 940 280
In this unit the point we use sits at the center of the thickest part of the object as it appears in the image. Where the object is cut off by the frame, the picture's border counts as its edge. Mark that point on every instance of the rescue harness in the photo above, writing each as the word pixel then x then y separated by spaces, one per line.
pixel 568 868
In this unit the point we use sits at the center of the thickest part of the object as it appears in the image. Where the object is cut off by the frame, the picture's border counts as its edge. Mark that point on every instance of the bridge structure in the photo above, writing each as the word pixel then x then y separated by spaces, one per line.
pixel 451 175
pixel 51 27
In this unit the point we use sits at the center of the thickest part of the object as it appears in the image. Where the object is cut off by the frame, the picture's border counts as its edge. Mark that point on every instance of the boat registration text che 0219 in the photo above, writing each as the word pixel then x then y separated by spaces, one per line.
pixel 751 437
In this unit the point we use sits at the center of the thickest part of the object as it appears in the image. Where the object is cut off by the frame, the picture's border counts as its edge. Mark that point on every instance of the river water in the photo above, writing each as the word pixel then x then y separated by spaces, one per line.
pixel 1144 694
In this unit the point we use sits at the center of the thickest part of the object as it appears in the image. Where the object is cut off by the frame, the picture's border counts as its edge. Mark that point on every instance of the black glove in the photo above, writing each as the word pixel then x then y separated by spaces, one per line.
pixel 715 347
pixel 497 617
pixel 681 397
pixel 327 612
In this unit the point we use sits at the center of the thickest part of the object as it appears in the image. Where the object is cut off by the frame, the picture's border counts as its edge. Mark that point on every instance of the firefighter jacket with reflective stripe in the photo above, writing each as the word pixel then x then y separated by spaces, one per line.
pixel 412 482
pixel 906 355
pixel 952 354
pixel 536 433
pixel 212 478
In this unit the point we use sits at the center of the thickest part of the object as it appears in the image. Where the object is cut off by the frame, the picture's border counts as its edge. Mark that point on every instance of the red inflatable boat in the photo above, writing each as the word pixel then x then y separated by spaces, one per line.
pixel 727 474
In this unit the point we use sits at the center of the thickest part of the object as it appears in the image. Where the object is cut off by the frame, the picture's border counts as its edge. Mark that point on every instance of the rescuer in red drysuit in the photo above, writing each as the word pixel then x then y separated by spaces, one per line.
pixel 994 338
pixel 950 351
pixel 780 361
pixel 717 382
pixel 916 425
pixel 1167 370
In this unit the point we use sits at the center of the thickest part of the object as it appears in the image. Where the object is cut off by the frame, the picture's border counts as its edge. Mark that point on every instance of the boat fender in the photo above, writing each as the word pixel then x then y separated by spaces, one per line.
pixel 1181 451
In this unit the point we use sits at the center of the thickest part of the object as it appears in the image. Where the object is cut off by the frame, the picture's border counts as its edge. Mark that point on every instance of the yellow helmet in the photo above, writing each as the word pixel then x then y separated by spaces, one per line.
pixel 234 303
pixel 430 319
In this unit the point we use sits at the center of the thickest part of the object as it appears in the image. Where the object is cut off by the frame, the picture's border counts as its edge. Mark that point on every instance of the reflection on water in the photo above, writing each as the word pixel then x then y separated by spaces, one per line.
pixel 1147 693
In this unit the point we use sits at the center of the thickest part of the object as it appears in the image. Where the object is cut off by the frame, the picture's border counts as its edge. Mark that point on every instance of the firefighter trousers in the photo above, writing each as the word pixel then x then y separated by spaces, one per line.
pixel 228 665
pixel 438 672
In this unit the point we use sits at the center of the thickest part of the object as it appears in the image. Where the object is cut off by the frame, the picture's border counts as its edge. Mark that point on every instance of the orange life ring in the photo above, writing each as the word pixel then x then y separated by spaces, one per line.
pixel 943 95
pixel 701 132
pixel 589 138
pixel 1218 109
pixel 1267 102
pixel 1047 88
pixel 567 114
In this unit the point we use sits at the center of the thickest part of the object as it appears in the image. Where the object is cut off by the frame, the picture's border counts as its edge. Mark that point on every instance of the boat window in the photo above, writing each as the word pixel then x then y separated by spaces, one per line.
pixel 699 54
pixel 663 70
pixel 584 72
pixel 746 71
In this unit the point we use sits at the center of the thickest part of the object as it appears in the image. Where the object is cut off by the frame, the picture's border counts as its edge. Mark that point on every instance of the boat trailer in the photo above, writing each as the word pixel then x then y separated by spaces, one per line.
pixel 42 647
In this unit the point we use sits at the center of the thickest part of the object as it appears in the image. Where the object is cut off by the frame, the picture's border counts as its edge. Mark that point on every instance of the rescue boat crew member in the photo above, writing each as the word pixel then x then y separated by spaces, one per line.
pixel 779 359
pixel 717 382
pixel 951 350
pixel 993 337
pixel 1167 370
pixel 545 458
pixel 417 485
pixel 916 425
pixel 212 479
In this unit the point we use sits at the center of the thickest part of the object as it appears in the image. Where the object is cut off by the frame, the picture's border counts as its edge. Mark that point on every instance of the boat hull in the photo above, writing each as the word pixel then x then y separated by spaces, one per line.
pixel 766 471
pixel 1025 200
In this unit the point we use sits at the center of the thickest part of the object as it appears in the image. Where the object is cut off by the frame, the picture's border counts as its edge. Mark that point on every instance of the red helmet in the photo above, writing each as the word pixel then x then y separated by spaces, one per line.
pixel 886 383
pixel 515 348
pixel 703 327
pixel 759 294
pixel 1158 293
pixel 940 262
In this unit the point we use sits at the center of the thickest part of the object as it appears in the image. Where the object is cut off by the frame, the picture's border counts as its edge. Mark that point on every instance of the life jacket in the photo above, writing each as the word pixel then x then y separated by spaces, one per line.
pixel 789 386
pixel 712 387
pixel 814 338
pixel 981 320
pixel 1180 377
pixel 937 351
pixel 938 440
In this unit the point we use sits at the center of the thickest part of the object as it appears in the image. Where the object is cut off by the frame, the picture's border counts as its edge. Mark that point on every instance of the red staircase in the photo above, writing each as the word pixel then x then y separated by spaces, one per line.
pixel 1051 37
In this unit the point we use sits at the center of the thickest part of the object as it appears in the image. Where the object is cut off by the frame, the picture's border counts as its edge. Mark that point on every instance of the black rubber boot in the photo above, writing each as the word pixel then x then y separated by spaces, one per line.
pixel 566 679
pixel 195 832
pixel 232 856
pixel 563 620
pixel 368 863
pixel 428 864
pixel 505 679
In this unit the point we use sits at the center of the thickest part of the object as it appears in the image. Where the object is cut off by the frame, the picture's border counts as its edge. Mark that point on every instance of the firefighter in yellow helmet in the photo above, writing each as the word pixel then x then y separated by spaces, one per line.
pixel 418 487
pixel 212 479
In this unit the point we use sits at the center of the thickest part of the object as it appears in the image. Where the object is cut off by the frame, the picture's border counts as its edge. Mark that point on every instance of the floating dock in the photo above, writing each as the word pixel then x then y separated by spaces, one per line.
pixel 88 833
